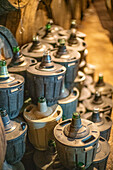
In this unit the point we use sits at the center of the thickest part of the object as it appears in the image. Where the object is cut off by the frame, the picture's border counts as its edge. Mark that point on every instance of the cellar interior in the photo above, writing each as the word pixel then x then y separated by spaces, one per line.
pixel 56 85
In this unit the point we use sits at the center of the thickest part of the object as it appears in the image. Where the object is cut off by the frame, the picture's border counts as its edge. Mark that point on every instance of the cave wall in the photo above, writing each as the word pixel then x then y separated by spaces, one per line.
pixel 24 21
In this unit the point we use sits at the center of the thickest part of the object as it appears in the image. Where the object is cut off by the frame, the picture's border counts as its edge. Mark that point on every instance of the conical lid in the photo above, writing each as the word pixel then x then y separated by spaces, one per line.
pixel 102 121
pixel 36 48
pixel 13 129
pixel 54 28
pixel 96 116
pixel 46 62
pixel 76 42
pixel 103 103
pixel 39 111
pixel 21 129
pixel 65 53
pixel 101 86
pixel 76 132
pixel 73 25
pixel 62 50
pixel 49 37
pixel 36 45
pixel 47 67
pixel 19 63
pixel 7 80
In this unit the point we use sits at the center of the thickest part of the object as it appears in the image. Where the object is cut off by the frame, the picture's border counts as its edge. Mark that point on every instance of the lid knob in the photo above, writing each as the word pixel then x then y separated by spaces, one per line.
pixel 35 38
pixel 48 26
pixel 73 24
pixel 42 106
pixel 46 61
pixel 96 115
pixel 36 44
pixel 76 121
pixel 73 39
pixel 5 119
pixel 62 41
pixel 50 21
pixel 62 50
pixel 100 81
pixel 3 70
pixel 36 41
pixel 97 98
pixel 16 49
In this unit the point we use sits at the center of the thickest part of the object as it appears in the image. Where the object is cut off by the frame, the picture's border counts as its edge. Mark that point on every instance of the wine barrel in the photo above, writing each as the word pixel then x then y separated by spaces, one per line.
pixel 11 5
pixel 2 143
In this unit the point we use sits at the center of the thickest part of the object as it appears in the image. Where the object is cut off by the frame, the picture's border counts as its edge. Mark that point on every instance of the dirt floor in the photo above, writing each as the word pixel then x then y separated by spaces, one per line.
pixel 100 50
